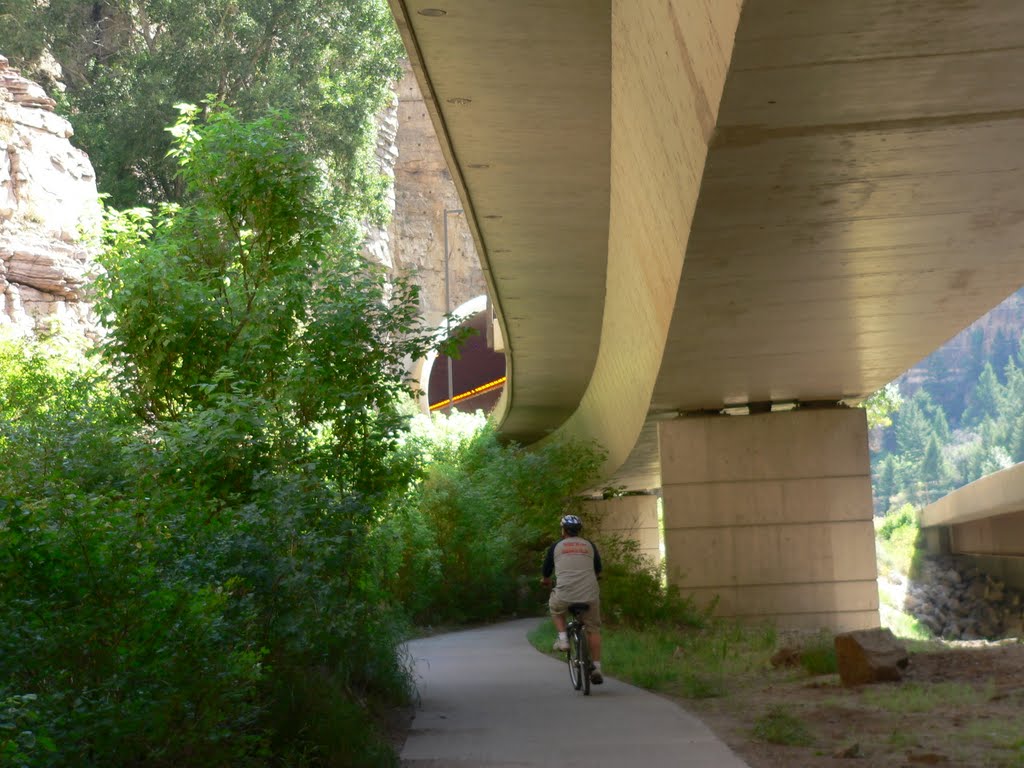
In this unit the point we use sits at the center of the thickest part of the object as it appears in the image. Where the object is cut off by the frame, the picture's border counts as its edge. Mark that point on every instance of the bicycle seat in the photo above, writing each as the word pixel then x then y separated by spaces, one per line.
pixel 577 608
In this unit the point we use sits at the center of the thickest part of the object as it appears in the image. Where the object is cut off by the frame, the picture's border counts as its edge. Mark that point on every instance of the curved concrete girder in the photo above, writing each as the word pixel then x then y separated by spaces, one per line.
pixel 669 64
pixel 519 96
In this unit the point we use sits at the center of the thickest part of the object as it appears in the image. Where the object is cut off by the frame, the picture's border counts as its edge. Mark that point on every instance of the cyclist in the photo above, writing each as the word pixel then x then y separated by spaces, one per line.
pixel 576 565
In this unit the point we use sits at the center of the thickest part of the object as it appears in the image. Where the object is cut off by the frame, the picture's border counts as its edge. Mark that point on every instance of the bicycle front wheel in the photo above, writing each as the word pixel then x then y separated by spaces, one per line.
pixel 577 670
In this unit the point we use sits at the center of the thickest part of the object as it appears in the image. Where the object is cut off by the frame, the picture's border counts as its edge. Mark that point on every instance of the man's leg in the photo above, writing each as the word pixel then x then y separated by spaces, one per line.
pixel 594 640
pixel 593 622
pixel 558 609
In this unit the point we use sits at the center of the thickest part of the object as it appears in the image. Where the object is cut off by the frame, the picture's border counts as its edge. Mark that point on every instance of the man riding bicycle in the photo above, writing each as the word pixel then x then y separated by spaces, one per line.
pixel 576 565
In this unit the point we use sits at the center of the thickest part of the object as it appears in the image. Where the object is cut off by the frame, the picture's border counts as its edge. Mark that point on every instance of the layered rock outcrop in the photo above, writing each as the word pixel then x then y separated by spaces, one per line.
pixel 49 213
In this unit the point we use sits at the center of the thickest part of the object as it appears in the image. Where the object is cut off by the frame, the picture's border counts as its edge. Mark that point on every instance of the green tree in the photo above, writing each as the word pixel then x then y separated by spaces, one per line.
pixel 249 315
pixel 913 431
pixel 882 405
pixel 1018 356
pixel 986 455
pixel 945 380
pixel 1016 446
pixel 976 357
pixel 1003 347
pixel 985 400
pixel 934 472
pixel 935 414
pixel 1013 375
pixel 124 64
pixel 885 484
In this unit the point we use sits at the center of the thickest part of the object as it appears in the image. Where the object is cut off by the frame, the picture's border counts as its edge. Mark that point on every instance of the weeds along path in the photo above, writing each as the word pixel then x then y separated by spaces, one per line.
pixel 487 698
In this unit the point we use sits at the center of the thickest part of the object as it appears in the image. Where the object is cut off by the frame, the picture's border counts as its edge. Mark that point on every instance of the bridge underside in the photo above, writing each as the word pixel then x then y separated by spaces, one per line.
pixel 699 204
pixel 982 522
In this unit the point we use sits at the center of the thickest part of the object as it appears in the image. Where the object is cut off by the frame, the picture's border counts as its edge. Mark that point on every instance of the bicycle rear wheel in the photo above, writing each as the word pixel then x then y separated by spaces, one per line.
pixel 577 671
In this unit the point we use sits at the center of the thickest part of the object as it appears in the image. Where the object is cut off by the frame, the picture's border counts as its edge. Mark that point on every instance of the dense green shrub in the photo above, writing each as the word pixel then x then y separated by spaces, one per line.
pixel 898 522
pixel 126 652
pixel 633 591
pixel 473 532
pixel 191 554
pixel 474 528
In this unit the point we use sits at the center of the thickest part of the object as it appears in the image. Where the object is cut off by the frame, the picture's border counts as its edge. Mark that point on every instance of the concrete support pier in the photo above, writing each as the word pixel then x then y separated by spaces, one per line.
pixel 771 514
pixel 629 517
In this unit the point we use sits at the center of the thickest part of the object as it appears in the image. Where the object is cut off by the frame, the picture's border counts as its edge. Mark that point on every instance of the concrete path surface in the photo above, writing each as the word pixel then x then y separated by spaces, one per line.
pixel 488 698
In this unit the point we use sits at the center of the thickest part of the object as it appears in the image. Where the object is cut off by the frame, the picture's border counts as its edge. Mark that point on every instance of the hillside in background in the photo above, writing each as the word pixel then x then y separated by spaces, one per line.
pixel 961 413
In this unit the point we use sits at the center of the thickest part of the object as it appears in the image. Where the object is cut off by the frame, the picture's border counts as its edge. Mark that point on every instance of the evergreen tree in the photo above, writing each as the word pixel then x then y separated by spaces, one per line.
pixel 913 431
pixel 935 414
pixel 943 380
pixel 885 484
pixel 1016 447
pixel 941 425
pixel 1002 350
pixel 986 455
pixel 1018 355
pixel 986 399
pixel 1014 392
pixel 976 357
pixel 934 472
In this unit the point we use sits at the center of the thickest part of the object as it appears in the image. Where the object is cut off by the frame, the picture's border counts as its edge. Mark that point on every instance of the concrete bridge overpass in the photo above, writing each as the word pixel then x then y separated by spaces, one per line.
pixel 983 522
pixel 689 206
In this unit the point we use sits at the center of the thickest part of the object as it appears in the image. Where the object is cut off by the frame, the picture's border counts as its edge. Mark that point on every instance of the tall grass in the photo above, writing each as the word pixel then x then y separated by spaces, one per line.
pixel 693 663
pixel 818 655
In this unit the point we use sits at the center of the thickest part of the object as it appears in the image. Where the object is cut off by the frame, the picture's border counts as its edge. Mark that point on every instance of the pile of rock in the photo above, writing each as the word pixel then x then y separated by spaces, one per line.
pixel 956 601
pixel 49 213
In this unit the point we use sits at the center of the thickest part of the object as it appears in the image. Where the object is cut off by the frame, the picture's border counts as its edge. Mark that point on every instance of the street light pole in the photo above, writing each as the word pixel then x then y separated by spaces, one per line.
pixel 448 302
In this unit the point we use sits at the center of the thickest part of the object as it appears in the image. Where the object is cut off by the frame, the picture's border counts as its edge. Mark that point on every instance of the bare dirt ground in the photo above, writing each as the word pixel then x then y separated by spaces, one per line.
pixel 958 706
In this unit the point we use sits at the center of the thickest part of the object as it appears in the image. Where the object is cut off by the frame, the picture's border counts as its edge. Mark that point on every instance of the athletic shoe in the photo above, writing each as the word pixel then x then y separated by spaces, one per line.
pixel 561 645
pixel 595 677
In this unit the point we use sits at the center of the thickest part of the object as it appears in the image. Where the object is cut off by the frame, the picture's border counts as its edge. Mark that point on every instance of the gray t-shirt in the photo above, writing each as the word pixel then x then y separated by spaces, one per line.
pixel 575 562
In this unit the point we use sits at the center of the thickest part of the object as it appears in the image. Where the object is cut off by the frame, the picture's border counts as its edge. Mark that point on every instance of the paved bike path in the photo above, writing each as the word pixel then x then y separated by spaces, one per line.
pixel 488 699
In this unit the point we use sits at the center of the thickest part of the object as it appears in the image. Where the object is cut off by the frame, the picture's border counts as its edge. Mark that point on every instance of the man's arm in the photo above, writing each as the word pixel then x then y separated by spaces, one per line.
pixel 549 566
pixel 597 559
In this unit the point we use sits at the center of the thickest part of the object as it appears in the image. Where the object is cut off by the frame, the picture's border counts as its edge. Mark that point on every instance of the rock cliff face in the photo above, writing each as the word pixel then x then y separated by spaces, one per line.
pixel 423 192
pixel 49 212
pixel 377 246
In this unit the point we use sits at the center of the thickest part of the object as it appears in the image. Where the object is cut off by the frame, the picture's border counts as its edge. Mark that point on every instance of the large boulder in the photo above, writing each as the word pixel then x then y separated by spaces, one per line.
pixel 869 656
pixel 49 213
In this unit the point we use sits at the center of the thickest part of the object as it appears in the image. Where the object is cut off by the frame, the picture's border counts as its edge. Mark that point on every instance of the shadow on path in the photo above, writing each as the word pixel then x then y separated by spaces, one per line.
pixel 487 699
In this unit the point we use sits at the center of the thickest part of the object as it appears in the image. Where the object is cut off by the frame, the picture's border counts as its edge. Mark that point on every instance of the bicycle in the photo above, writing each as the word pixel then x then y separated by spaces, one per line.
pixel 578 654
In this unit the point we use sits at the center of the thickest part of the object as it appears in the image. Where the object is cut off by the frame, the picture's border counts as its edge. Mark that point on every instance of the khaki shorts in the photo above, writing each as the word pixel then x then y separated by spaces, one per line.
pixel 591 618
